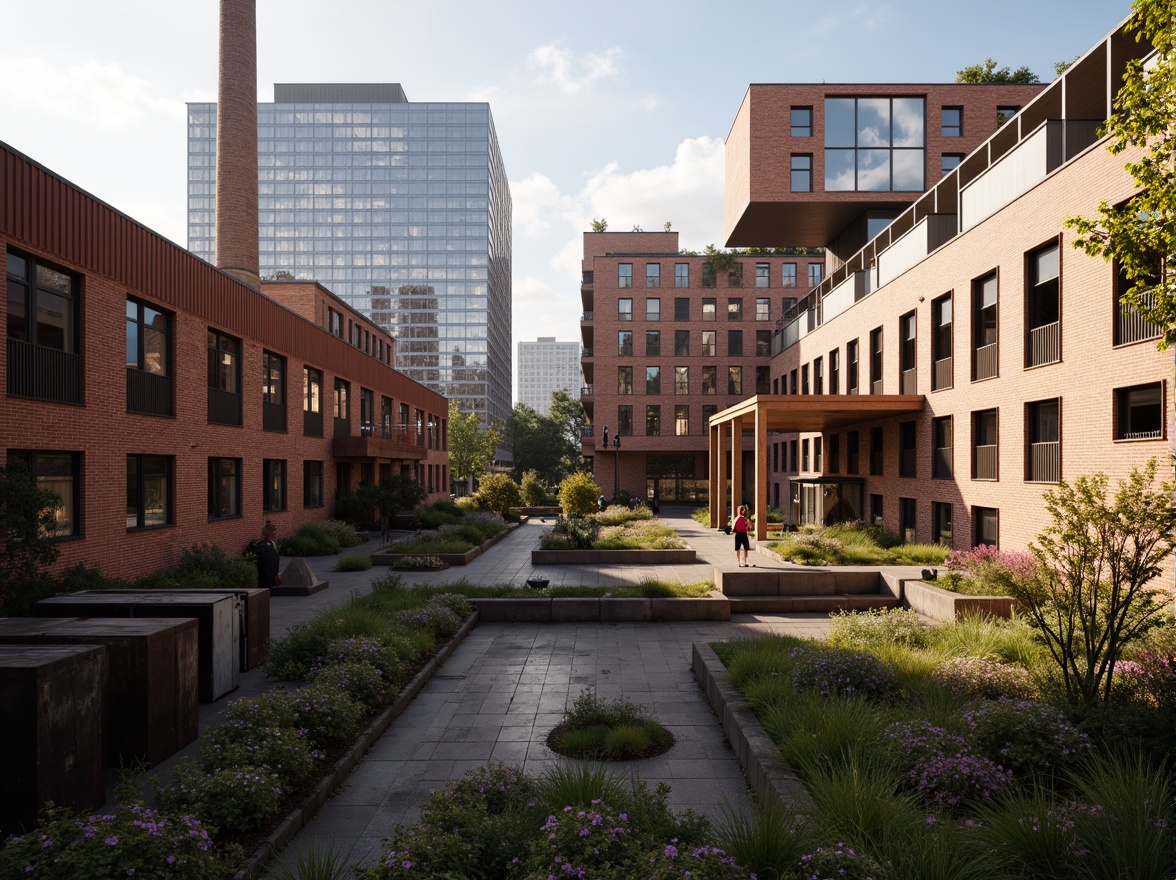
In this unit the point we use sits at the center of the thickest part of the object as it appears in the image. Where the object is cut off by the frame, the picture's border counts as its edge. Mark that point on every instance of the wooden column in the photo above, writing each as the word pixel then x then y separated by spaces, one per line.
pixel 736 465
pixel 721 485
pixel 761 473
pixel 714 433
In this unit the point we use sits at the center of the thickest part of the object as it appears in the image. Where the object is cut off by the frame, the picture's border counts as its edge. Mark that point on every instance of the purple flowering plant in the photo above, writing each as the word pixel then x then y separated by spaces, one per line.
pixel 985 677
pixel 839 862
pixel 1025 736
pixel 836 671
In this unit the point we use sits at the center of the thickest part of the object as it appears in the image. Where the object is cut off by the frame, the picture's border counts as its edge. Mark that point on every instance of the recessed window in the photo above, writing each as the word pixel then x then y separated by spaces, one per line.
pixel 652 420
pixel 1044 455
pixel 763 375
pixel 708 343
pixel 941 523
pixel 816 272
pixel 652 343
pixel 788 274
pixel 653 274
pixel 735 309
pixel 709 309
pixel 852 442
pixel 624 309
pixel 984 445
pixel 312 402
pixel 1140 412
pixel 653 308
pixel 876 452
pixel 941 448
pixel 653 380
pixel 835 371
pixel 312 484
pixel 801 119
pixel 343 408
pixel 625 343
pixel 908 519
pixel 625 420
pixel 681 343
pixel 681 308
pixel 985 351
pixel 763 343
pixel 735 343
pixel 763 308
pixel 907 374
pixel 802 172
pixel 763 275
pixel 624 380
pixel 851 361
pixel 876 361
pixel 224 488
pixel 682 380
pixel 735 380
pixel 224 379
pixel 43 331
pixel 874 144
pixel 624 275
pixel 274 488
pixel 710 378
pixel 907 466
pixel 681 274
pixel 952 122
pixel 681 420
pixel 149 491
pixel 273 407
pixel 1043 325
pixel 941 343
pixel 986 526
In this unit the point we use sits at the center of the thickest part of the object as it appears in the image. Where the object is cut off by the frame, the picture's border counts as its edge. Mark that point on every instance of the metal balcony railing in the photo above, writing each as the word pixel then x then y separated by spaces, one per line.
pixel 148 393
pixel 588 316
pixel 985 359
pixel 586 352
pixel 43 373
pixel 586 391
pixel 1045 461
pixel 1131 327
pixel 941 377
pixel 1045 344
pixel 984 462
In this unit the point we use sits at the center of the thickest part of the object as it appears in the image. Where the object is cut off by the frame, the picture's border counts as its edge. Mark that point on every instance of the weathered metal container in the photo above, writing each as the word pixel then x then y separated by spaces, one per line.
pixel 151 694
pixel 218 627
pixel 51 710
pixel 254 624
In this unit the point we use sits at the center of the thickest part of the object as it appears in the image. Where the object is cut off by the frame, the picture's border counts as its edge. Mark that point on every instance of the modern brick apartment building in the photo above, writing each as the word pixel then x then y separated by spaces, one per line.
pixel 668 343
pixel 168 403
pixel 997 357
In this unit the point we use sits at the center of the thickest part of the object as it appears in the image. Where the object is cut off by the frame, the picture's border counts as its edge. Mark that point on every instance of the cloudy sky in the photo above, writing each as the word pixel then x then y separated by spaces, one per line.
pixel 603 109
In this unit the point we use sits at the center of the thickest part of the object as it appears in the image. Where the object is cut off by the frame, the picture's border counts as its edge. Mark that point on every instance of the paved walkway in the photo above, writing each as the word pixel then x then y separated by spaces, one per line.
pixel 507 685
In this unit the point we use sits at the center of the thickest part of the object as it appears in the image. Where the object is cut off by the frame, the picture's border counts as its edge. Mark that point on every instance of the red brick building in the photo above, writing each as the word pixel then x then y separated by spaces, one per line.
pixel 168 403
pixel 999 356
pixel 668 342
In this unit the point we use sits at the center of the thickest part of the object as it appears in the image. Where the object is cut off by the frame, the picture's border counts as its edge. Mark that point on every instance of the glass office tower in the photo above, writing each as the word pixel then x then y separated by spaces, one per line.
pixel 402 209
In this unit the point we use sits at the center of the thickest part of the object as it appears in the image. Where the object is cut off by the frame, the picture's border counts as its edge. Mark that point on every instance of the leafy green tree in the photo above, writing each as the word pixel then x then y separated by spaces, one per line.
pixel 536 442
pixel 26 518
pixel 499 493
pixel 988 73
pixel 1091 593
pixel 568 413
pixel 471 445
pixel 1140 236
pixel 534 494
pixel 578 493
pixel 600 225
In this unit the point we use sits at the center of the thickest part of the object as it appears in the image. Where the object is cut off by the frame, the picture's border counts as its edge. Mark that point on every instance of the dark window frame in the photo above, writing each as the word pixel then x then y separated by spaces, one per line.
pixel 309 499
pixel 140 491
pixel 273 495
pixel 216 499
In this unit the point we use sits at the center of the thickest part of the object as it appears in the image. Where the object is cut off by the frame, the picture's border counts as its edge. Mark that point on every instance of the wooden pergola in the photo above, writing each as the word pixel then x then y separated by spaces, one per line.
pixel 764 413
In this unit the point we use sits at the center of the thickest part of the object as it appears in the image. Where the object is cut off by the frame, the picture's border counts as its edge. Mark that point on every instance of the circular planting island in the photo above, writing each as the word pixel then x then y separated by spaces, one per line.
pixel 608 730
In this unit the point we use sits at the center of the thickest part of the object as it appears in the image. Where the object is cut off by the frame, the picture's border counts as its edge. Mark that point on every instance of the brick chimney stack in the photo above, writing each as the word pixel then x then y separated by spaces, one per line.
pixel 236 142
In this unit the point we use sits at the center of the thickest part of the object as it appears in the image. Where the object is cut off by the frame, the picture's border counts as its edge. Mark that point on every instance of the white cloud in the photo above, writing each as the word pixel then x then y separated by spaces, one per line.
pixel 535 200
pixel 87 92
pixel 570 72
pixel 651 102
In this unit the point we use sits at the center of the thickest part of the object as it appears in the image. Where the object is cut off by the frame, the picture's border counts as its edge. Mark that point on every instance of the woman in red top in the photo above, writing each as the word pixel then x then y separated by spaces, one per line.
pixel 741 528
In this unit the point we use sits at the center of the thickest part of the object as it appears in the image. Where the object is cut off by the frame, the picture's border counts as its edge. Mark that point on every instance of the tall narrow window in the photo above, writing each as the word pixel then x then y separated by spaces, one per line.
pixel 652 420
pixel 788 274
pixel 818 376
pixel 273 406
pixel 763 308
pixel 941 343
pixel 682 380
pixel 681 308
pixel 312 484
pixel 652 343
pixel 986 525
pixel 908 519
pixel 681 343
pixel 44 360
pixel 624 343
pixel 802 172
pixel 834 453
pixel 804 455
pixel 735 308
pixel 274 489
pixel 343 408
pixel 852 443
pixel 709 379
pixel 876 361
pixel 625 309
pixel 367 411
pixel 876 452
pixel 653 274
pixel 763 278
pixel 624 275
pixel 708 343
pixel 735 343
pixel 312 402
pixel 816 272
pixel 735 380
pixel 224 379
pixel 941 523
pixel 801 122
pixel 908 375
pixel 1044 458
pixel 625 420
pixel 851 367
pixel 941 448
pixel 985 359
pixel 763 343
pixel 149 366
pixel 1129 325
pixel 709 308
pixel 984 445
pixel 835 371
pixel 952 122
pixel 1043 314
pixel 624 380
pixel 149 491
pixel 804 379
pixel 907 466
pixel 682 420
pixel 224 488
pixel 763 376
pixel 653 308
pixel 653 380
pixel 681 274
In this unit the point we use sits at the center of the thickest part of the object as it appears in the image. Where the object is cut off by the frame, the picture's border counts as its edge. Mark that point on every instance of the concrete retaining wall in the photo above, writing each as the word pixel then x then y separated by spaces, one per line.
pixel 546 609
pixel 590 557
pixel 944 605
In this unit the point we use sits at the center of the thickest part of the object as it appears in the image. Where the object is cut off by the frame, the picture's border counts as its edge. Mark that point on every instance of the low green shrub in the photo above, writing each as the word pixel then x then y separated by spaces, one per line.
pixel 1025 736
pixel 283 751
pixel 298 545
pixel 440 513
pixel 231 800
pixel 578 493
pixel 362 682
pixel 128 840
pixel 344 533
pixel 497 493
pixel 614 730
pixel 876 627
pixel 618 515
pixel 354 562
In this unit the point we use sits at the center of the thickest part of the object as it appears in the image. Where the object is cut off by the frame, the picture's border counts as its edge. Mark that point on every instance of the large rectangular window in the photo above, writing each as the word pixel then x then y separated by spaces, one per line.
pixel 816 273
pixel 681 274
pixel 735 343
pixel 43 331
pixel 763 379
pixel 149 360
pixel 941 343
pixel 1043 308
pixel 1129 325
pixel 985 350
pixel 788 274
pixel 681 343
pixel 709 308
pixel 224 488
pixel 625 343
pixel 312 484
pixel 273 496
pixel 681 308
pixel 653 308
pixel 652 343
pixel 763 278
pixel 624 275
pixel 708 343
pixel 763 343
pixel 61 474
pixel 625 309
pixel 1044 454
pixel 735 308
pixel 312 402
pixel 653 274
pixel 149 491
pixel 625 420
pixel 1139 412
pixel 763 308
pixel 709 379
pixel 804 379
pixel 986 526
pixel 834 453
pixel 941 523
pixel 818 376
pixel 653 380
pixel 874 144
pixel 682 380
pixel 224 379
pixel 984 445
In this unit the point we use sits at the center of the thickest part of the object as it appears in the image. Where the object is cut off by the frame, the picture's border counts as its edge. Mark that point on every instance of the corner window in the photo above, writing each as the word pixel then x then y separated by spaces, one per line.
pixel 1139 412
pixel 224 488
pixel 149 491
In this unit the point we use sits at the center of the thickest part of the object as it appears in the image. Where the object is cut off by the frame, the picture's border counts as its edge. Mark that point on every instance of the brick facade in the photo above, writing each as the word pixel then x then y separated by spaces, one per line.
pixel 112 261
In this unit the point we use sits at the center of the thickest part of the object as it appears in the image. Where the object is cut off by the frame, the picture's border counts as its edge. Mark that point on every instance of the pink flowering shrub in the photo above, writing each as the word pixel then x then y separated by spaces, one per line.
pixel 131 840
pixel 1149 679
pixel 989 569
pixel 985 677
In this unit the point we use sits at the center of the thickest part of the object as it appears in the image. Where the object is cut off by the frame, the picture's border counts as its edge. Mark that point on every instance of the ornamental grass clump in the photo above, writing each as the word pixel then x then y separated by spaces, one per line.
pixel 608 730
pixel 129 841
pixel 876 627
pixel 986 678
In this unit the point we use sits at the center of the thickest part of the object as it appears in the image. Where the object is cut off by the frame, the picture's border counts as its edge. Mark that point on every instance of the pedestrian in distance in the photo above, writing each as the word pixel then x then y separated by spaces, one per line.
pixel 741 528
pixel 601 503
pixel 268 560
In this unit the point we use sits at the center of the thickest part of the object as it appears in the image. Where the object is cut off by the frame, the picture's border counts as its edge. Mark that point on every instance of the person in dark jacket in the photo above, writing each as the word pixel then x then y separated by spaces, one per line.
pixel 268 560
